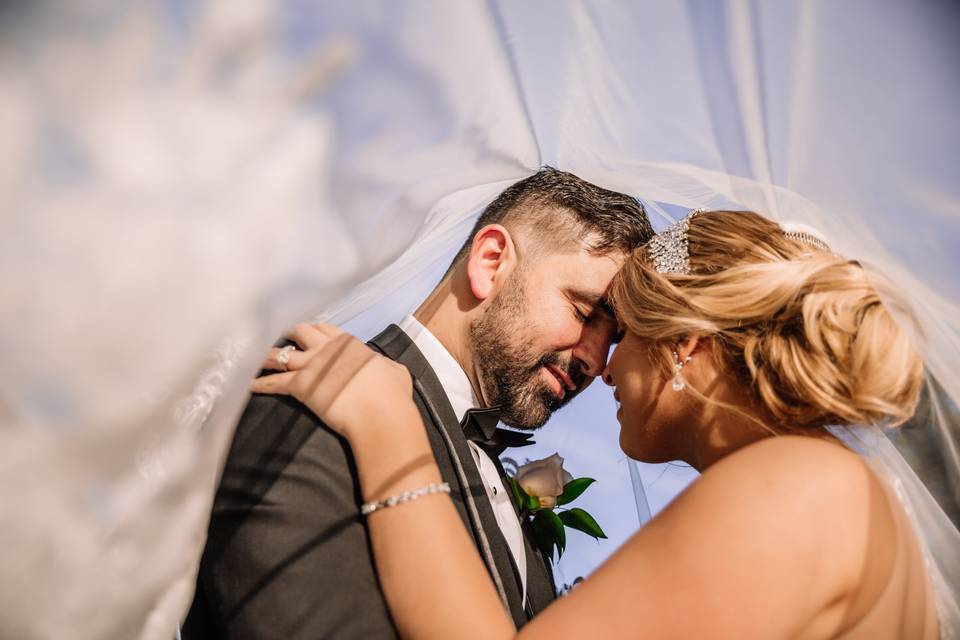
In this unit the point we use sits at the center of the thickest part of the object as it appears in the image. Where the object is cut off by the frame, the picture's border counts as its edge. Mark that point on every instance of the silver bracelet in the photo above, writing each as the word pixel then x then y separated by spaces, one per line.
pixel 406 496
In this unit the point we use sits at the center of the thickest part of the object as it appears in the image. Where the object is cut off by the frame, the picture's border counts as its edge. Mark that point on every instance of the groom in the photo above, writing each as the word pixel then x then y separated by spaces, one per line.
pixel 515 329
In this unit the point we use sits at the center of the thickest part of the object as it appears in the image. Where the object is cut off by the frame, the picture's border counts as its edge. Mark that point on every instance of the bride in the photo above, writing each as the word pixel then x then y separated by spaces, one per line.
pixel 742 344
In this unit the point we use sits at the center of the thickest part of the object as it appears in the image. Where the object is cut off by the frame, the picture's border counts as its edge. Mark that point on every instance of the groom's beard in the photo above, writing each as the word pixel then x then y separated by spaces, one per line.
pixel 510 370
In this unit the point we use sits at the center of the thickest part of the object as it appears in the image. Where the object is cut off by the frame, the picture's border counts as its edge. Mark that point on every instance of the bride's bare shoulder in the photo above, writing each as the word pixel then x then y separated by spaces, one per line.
pixel 792 475
pixel 792 454
pixel 810 496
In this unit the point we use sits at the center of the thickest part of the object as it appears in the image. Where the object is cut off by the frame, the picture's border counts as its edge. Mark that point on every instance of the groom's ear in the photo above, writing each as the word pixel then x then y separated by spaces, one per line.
pixel 493 256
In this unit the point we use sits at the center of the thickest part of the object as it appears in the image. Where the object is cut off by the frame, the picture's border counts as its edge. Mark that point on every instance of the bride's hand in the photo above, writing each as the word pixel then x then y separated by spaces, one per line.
pixel 348 385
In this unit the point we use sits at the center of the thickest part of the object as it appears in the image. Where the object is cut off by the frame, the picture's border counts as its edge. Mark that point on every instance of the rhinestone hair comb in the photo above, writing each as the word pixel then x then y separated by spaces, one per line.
pixel 668 249
pixel 670 253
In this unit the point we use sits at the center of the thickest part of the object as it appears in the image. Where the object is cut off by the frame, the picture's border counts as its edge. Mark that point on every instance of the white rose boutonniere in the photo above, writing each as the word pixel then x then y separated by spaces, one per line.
pixel 544 479
pixel 540 487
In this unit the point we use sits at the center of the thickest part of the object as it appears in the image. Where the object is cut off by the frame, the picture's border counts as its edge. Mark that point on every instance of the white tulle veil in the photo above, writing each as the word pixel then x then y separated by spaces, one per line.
pixel 181 180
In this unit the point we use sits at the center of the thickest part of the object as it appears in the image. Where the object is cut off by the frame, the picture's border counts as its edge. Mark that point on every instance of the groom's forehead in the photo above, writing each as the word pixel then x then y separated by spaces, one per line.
pixel 580 273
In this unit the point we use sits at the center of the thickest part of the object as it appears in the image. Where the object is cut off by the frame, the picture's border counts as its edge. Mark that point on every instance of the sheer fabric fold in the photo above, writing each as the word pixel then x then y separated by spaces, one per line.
pixel 183 180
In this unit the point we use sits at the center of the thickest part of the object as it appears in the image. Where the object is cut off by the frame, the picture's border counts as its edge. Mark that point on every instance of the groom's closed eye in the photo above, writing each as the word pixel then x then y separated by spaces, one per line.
pixel 598 313
pixel 591 308
pixel 587 303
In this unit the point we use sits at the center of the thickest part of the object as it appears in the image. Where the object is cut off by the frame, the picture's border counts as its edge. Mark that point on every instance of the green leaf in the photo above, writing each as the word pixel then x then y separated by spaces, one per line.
pixel 582 521
pixel 543 534
pixel 573 489
pixel 556 529
pixel 519 495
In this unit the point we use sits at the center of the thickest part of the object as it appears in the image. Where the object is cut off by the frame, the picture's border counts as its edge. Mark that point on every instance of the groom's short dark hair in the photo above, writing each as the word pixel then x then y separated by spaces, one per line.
pixel 559 206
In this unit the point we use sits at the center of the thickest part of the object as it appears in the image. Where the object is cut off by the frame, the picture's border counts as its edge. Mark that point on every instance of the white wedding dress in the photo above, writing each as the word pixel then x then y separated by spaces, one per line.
pixel 183 179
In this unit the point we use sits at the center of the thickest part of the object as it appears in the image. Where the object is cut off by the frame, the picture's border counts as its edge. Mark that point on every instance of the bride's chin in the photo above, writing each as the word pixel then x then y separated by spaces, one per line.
pixel 636 449
pixel 644 456
pixel 630 448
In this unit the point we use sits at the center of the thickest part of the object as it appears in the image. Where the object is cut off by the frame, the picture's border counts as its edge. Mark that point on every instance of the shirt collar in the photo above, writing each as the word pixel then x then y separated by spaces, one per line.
pixel 451 375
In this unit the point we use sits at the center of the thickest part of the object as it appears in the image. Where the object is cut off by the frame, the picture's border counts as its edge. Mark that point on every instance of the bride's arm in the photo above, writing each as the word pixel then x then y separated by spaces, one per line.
pixel 432 576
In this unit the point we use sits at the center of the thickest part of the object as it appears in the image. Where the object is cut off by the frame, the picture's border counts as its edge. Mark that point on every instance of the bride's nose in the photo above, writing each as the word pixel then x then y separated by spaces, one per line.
pixel 607 376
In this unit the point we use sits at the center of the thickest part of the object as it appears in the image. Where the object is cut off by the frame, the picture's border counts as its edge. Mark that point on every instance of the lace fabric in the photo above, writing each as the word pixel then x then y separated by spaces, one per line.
pixel 186 179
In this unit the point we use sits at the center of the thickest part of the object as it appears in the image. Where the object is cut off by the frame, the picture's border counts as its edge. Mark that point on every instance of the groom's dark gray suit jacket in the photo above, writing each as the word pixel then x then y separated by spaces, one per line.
pixel 288 554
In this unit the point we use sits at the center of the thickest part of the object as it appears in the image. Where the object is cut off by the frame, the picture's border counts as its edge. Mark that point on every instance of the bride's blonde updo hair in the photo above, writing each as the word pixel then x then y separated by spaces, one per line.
pixel 802 327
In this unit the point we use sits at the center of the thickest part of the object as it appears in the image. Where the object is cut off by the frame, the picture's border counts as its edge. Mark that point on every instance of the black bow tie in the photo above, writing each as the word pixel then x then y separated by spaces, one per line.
pixel 480 427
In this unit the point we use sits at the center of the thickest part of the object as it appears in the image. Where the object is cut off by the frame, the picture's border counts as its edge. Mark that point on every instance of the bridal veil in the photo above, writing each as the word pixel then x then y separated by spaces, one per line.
pixel 182 179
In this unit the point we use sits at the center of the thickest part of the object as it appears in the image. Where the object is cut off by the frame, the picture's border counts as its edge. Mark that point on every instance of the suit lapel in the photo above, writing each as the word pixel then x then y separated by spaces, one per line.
pixel 439 417
pixel 540 585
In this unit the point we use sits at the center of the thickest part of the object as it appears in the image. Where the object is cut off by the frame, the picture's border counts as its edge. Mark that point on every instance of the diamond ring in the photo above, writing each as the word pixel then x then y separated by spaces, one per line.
pixel 283 356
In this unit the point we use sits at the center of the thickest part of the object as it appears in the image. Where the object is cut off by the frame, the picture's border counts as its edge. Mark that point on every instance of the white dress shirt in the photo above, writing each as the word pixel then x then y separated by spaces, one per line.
pixel 460 394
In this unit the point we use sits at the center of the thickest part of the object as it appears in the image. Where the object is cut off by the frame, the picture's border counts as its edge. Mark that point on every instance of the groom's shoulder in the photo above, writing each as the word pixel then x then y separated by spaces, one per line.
pixel 277 427
pixel 268 417
pixel 285 517
pixel 274 435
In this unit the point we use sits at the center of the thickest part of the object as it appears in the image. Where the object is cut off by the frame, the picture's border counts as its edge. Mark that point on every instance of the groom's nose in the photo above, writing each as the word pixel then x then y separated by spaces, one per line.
pixel 592 350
